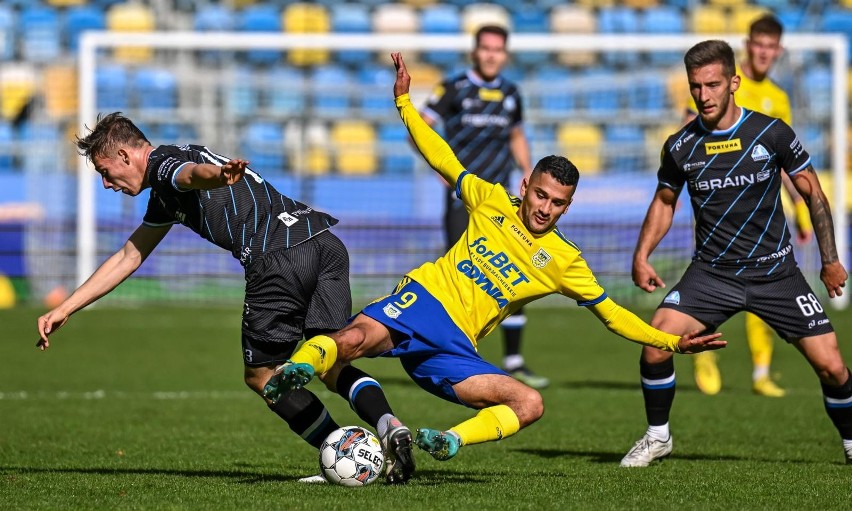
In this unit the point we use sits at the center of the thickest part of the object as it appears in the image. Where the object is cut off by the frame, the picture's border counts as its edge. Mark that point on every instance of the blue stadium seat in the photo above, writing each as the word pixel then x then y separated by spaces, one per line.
pixel 599 92
pixel 662 20
pixel 331 87
pixel 7 147
pixel 7 33
pixel 441 19
pixel 814 140
pixel 39 34
pixel 78 20
pixel 40 133
pixel 817 82
pixel 624 148
pixel 241 94
pixel 112 87
pixel 261 18
pixel 263 146
pixel 287 90
pixel 838 20
pixel 556 92
pixel 213 18
pixel 373 97
pixel 155 88
pixel 791 19
pixel 618 20
pixel 530 19
pixel 648 93
pixel 351 19
pixel 396 155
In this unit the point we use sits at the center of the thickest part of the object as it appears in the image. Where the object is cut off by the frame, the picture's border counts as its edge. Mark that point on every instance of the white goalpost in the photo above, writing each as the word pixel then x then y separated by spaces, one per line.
pixel 833 48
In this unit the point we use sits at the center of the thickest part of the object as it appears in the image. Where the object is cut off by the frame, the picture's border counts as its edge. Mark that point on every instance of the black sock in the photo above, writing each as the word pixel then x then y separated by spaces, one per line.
pixel 838 405
pixel 513 328
pixel 364 394
pixel 658 389
pixel 306 415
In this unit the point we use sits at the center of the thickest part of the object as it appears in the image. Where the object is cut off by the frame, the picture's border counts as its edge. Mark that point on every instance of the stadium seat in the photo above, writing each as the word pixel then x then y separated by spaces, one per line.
pixel 213 18
pixel 441 19
pixel 395 18
pixel 647 94
pixel 351 19
pixel 131 17
pixel 7 147
pixel 619 20
pixel 80 19
pixel 331 87
pixel 17 88
pixel 729 3
pixel 791 19
pixel 260 18
pixel 709 19
pixel 599 92
pixel 817 143
pixel 531 19
pixel 155 88
pixel 624 148
pixel 678 90
pixel 7 33
pixel 65 3
pixel 354 147
pixel 574 19
pixel 374 82
pixel 662 20
pixel 305 18
pixel 40 33
pixel 555 90
pixel 742 17
pixel 397 156
pixel 475 15
pixel 817 81
pixel 112 87
pixel 775 5
pixel 263 146
pixel 596 3
pixel 37 134
pixel 424 78
pixel 581 143
pixel 419 3
pixel 287 91
pixel 640 4
pixel 317 154
pixel 60 91
pixel 840 21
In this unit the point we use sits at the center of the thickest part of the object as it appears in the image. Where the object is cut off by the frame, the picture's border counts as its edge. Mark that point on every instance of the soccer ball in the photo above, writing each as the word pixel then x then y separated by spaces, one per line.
pixel 351 456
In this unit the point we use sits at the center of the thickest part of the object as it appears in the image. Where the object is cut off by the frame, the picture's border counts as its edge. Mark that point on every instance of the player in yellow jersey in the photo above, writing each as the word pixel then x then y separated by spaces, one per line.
pixel 759 93
pixel 511 254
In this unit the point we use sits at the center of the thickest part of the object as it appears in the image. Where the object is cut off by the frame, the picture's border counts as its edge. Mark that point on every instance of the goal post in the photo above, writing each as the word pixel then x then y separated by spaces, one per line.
pixel 611 261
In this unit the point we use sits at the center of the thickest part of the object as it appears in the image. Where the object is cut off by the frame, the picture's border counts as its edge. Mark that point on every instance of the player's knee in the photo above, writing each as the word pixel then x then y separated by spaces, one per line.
pixel 532 408
pixel 831 372
pixel 654 355
pixel 255 382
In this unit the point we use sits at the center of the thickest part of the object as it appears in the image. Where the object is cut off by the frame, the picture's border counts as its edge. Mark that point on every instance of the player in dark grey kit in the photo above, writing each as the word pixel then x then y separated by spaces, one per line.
pixel 730 160
pixel 482 114
pixel 296 270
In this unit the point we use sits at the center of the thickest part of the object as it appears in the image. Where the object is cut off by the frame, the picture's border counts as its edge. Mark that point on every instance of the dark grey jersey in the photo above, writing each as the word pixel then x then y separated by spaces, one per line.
pixel 734 182
pixel 248 218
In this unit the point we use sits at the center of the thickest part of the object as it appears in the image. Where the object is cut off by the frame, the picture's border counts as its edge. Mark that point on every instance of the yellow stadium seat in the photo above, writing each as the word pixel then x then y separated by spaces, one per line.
pixel 424 81
pixel 65 3
pixel 419 3
pixel 678 89
pixel 476 15
pixel 355 147
pixel 709 19
pixel 581 143
pixel 318 160
pixel 17 87
pixel 239 4
pixel 574 19
pixel 395 18
pixel 743 17
pixel 131 17
pixel 728 3
pixel 591 4
pixel 60 90
pixel 640 4
pixel 303 18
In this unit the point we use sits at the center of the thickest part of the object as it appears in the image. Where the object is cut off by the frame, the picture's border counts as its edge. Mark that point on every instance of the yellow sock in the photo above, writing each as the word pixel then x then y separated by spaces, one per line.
pixel 320 352
pixel 493 423
pixel 759 337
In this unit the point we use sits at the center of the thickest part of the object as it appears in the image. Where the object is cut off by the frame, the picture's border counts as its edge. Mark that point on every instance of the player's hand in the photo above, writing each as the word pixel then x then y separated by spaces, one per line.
pixel 645 276
pixel 833 275
pixel 403 80
pixel 47 324
pixel 233 171
pixel 693 342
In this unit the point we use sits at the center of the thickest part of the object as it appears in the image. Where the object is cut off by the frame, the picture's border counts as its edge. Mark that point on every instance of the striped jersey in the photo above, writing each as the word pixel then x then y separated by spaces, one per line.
pixel 248 218
pixel 733 177
pixel 478 117
pixel 498 265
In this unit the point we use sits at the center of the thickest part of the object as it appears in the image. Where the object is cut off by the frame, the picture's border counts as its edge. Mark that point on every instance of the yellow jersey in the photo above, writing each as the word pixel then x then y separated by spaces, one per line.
pixel 765 97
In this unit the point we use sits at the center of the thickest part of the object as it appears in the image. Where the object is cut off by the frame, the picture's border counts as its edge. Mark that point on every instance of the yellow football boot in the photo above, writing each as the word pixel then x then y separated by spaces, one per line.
pixel 707 376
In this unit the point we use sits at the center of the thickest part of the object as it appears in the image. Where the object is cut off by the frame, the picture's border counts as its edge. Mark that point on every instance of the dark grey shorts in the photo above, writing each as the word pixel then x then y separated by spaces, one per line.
pixel 294 293
pixel 784 301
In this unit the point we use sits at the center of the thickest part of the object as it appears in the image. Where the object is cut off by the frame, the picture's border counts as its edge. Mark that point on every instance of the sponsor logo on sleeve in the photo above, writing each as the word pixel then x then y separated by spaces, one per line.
pixel 391 311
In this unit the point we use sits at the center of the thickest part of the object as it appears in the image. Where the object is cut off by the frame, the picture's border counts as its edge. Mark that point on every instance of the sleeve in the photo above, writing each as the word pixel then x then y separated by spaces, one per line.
pixel 439 105
pixel 792 156
pixel 669 175
pixel 518 116
pixel 164 165
pixel 622 322
pixel 156 215
pixel 580 284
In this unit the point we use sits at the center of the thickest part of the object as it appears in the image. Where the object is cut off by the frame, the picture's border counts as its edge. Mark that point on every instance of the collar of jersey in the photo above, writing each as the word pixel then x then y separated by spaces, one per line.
pixel 479 82
pixel 729 130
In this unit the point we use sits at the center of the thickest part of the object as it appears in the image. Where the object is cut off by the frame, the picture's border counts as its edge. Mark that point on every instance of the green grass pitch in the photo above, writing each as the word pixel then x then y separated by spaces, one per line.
pixel 146 409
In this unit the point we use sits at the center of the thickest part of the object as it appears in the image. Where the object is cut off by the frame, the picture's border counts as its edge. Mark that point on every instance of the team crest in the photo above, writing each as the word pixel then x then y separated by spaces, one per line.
pixel 391 311
pixel 541 258
pixel 759 153
pixel 673 298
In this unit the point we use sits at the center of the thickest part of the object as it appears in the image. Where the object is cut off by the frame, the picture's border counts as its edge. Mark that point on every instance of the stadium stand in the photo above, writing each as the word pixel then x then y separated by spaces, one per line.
pixel 260 18
pixel 131 17
pixel 40 34
pixel 305 18
pixel 78 20
pixel 354 147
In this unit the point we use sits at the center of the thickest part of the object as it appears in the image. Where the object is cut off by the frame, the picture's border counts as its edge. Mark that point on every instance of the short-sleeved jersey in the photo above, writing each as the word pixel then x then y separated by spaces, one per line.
pixel 247 218
pixel 764 96
pixel 734 180
pixel 478 118
pixel 498 265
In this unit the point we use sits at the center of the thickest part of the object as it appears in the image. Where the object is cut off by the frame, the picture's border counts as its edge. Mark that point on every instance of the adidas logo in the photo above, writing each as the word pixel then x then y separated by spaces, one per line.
pixel 498 220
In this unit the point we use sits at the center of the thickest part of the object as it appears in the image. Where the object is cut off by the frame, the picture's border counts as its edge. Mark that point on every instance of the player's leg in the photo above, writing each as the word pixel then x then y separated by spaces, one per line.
pixel 513 360
pixel 760 343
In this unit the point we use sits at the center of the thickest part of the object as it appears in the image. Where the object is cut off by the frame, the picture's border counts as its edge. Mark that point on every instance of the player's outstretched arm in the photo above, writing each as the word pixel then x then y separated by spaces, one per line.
pixel 206 176
pixel 833 274
pixel 628 325
pixel 434 149
pixel 107 277
pixel 658 221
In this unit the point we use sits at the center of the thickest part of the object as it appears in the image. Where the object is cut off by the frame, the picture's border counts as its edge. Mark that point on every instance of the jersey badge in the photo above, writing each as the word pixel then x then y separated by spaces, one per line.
pixel 673 298
pixel 287 218
pixel 494 95
pixel 725 146
pixel 759 153
pixel 498 220
pixel 391 311
pixel 541 258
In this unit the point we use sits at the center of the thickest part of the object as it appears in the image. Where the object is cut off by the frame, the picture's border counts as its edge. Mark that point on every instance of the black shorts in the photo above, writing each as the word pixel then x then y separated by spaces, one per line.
pixel 784 301
pixel 298 292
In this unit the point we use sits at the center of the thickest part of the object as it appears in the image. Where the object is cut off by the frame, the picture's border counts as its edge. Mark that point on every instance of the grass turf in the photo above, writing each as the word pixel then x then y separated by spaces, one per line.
pixel 145 409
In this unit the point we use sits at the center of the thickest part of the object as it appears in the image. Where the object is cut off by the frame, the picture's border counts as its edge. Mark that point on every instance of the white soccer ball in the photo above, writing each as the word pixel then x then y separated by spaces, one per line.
pixel 351 456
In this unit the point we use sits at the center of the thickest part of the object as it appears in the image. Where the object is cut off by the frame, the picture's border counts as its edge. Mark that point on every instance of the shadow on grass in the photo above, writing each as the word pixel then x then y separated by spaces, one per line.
pixel 616 385
pixel 615 457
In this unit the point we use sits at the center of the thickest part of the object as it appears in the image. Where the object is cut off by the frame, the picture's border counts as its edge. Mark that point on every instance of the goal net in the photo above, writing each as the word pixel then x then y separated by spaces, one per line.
pixel 315 116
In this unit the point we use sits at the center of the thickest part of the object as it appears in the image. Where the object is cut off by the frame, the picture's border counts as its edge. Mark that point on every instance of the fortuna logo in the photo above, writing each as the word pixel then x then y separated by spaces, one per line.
pixel 759 153
pixel 673 297
pixel 287 218
pixel 498 220
pixel 726 146
pixel 541 258
pixel 391 311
